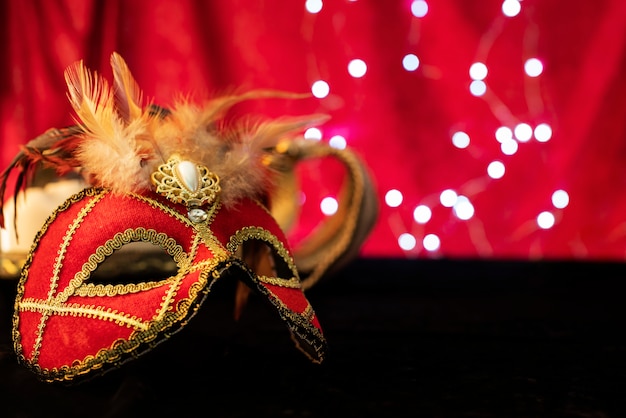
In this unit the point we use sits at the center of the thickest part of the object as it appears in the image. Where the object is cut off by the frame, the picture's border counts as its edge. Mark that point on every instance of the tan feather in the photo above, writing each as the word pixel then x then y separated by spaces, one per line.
pixel 127 92
pixel 92 100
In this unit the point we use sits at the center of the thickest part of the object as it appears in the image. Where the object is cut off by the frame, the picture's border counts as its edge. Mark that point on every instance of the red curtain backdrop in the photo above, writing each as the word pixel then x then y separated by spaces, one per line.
pixel 400 121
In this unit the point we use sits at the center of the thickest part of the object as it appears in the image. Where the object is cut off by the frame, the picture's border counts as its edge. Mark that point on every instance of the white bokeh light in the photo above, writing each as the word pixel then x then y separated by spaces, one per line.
pixel 448 198
pixel 496 169
pixel 329 206
pixel 313 6
pixel 509 147
pixel 419 8
pixel 533 67
pixel 560 199
pixel 460 139
pixel 422 214
pixel 545 220
pixel 523 132
pixel 313 134
pixel 320 89
pixel 478 88
pixel 543 132
pixel 357 68
pixel 504 133
pixel 478 71
pixel 431 242
pixel 337 142
pixel 463 208
pixel 410 62
pixel 393 198
pixel 407 241
pixel 511 8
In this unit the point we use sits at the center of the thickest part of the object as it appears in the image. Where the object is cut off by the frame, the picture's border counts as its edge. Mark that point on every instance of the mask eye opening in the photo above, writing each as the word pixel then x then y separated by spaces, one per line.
pixel 133 262
pixel 263 259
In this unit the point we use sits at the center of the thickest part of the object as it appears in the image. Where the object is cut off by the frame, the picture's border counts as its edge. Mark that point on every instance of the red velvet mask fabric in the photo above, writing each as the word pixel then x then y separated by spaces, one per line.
pixel 64 330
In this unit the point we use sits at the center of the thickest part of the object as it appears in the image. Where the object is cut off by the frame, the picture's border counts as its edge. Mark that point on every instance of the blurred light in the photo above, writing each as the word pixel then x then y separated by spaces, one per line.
pixel 478 71
pixel 448 198
pixel 431 242
pixel 478 88
pixel 357 68
pixel 329 206
pixel 509 147
pixel 545 220
pixel 511 8
pixel 393 198
pixel 504 134
pixel 560 199
pixel 422 214
pixel 313 133
pixel 337 142
pixel 320 89
pixel 410 62
pixel 407 241
pixel 543 132
pixel 533 67
pixel 419 8
pixel 463 208
pixel 313 6
pixel 460 139
pixel 495 169
pixel 523 132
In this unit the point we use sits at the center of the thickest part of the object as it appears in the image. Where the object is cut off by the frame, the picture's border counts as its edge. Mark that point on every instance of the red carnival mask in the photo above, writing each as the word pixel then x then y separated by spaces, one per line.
pixel 170 179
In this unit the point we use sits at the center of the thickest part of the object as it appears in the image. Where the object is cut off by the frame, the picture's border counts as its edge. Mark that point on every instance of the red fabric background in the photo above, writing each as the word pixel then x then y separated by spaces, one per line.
pixel 399 121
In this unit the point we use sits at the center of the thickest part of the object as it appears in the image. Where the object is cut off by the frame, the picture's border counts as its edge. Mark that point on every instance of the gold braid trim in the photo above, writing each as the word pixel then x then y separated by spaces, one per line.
pixel 293 283
pixel 54 280
pixel 108 248
pixel 86 311
pixel 256 232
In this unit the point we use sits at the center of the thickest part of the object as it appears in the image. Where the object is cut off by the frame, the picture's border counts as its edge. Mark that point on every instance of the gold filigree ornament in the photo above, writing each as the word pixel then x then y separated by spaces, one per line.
pixel 194 185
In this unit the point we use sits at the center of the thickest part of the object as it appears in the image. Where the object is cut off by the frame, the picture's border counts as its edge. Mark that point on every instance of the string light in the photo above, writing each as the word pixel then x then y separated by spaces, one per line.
pixel 448 198
pixel 463 208
pixel 422 214
pixel 509 146
pixel 338 142
pixel 560 199
pixel 407 241
pixel 496 170
pixel 460 139
pixel 478 71
pixel 419 8
pixel 313 6
pixel 431 242
pixel 314 134
pixel 329 206
pixel 543 132
pixel 357 68
pixel 523 132
pixel 511 8
pixel 510 136
pixel 478 88
pixel 393 198
pixel 410 62
pixel 320 89
pixel 545 220
pixel 533 67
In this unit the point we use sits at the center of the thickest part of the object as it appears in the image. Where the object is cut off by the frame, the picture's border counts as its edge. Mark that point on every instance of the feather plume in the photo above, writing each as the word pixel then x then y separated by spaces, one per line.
pixel 117 142
pixel 127 92
pixel 113 151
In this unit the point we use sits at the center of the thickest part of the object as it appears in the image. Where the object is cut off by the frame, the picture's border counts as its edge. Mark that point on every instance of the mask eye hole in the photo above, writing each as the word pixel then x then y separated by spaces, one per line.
pixel 134 260
pixel 263 259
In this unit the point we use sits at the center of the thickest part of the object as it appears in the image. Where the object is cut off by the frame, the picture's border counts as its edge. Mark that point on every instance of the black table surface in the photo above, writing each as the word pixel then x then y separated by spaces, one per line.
pixel 407 338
